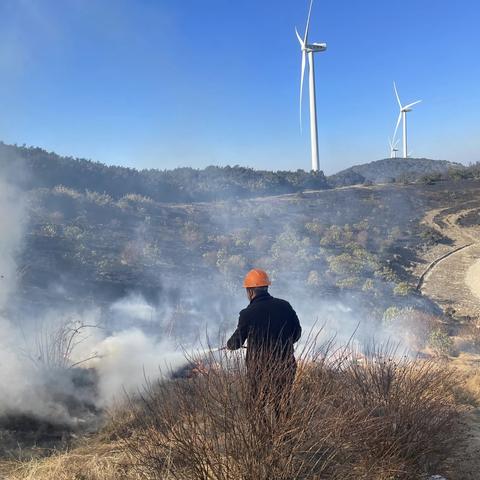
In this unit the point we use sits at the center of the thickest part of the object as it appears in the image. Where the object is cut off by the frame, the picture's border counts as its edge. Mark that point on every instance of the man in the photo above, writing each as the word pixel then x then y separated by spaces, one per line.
pixel 271 327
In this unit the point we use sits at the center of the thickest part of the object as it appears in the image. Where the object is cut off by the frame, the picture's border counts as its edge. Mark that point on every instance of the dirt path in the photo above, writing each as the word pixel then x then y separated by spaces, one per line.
pixel 452 275
pixel 465 464
pixel 473 279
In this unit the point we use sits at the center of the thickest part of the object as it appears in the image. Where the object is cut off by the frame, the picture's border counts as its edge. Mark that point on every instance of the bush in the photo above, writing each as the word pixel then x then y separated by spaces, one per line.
pixel 68 192
pixel 368 286
pixel 390 314
pixel 471 333
pixel 431 236
pixel 440 342
pixel 402 289
pixel 431 178
pixel 348 417
pixel 100 199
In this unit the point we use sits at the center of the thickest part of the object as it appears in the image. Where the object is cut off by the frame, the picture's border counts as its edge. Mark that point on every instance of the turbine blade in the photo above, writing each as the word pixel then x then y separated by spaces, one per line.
pixel 390 143
pixel 412 104
pixel 305 39
pixel 396 94
pixel 300 39
pixel 398 124
pixel 302 78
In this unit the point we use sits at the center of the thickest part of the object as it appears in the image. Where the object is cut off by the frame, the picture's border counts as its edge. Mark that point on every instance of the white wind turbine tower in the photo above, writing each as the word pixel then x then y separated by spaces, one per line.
pixel 308 49
pixel 403 116
pixel 393 148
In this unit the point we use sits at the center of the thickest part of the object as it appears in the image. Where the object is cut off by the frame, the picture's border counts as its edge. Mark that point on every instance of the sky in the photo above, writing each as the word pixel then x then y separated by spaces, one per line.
pixel 168 83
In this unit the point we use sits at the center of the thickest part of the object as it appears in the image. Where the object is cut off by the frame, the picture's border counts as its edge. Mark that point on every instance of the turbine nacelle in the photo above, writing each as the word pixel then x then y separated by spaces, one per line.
pixel 408 108
pixel 315 47
pixel 310 47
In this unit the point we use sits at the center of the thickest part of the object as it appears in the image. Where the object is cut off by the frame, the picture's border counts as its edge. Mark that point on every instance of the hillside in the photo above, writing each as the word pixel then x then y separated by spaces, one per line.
pixel 109 248
pixel 98 234
pixel 34 168
pixel 132 280
pixel 391 170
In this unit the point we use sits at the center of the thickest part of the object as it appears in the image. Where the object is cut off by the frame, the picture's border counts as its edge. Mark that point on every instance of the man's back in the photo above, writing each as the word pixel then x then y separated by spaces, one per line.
pixel 269 324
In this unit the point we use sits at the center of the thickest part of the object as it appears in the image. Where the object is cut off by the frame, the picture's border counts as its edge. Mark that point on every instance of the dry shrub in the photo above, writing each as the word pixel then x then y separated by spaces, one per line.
pixel 348 416
pixel 414 404
pixel 470 335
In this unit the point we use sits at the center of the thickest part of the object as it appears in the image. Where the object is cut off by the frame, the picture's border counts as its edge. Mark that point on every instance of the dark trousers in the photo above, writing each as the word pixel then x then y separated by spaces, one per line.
pixel 270 384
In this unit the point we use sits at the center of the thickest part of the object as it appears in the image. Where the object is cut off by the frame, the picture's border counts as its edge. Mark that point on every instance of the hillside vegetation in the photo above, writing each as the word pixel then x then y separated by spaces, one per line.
pixel 36 168
pixel 395 170
pixel 109 230
pixel 163 253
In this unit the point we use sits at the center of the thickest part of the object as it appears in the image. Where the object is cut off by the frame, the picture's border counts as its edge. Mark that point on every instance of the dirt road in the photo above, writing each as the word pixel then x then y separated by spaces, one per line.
pixel 452 275
pixel 473 279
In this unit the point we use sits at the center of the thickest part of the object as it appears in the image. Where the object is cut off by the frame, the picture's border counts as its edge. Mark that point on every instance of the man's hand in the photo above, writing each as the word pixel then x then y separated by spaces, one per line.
pixel 221 349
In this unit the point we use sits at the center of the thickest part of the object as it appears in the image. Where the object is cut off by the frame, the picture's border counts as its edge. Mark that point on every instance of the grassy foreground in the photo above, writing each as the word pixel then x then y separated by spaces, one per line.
pixel 374 417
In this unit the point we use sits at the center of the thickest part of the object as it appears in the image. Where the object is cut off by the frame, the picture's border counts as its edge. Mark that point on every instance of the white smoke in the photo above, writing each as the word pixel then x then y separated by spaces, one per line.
pixel 139 343
pixel 126 360
pixel 11 228
pixel 134 307
pixel 13 372
pixel 23 386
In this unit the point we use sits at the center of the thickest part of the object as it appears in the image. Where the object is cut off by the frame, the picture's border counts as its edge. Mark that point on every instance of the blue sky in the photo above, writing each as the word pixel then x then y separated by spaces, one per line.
pixel 166 83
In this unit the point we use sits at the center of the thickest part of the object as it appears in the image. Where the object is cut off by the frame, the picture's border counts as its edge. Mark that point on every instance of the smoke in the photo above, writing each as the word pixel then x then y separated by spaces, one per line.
pixel 12 228
pixel 12 370
pixel 78 351
pixel 26 388
pixel 134 307
pixel 130 358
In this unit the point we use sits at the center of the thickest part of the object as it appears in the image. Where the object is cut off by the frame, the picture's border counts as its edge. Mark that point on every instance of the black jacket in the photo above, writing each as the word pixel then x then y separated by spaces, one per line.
pixel 269 324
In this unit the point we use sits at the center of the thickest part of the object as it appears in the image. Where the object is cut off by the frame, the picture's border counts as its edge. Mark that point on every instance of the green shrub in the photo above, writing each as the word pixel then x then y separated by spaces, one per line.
pixel 390 314
pixel 440 342
pixel 402 289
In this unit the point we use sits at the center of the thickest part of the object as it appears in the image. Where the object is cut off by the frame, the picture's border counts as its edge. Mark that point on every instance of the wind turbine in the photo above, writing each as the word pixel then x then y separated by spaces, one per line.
pixel 403 116
pixel 393 147
pixel 308 49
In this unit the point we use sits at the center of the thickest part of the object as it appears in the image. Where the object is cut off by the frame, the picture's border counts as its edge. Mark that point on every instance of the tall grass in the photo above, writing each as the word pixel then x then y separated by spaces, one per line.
pixel 347 416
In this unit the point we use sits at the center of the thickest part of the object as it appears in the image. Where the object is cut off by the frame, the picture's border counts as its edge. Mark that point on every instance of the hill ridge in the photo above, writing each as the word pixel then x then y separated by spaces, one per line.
pixel 34 167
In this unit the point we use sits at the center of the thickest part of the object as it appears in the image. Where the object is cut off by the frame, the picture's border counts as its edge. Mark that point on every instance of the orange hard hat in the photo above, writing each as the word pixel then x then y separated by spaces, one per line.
pixel 256 278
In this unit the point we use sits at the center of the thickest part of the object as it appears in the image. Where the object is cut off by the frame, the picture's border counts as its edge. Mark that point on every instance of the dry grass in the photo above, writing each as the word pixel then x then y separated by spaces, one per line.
pixel 469 335
pixel 465 464
pixel 381 418
pixel 94 461
pixel 467 367
pixel 377 418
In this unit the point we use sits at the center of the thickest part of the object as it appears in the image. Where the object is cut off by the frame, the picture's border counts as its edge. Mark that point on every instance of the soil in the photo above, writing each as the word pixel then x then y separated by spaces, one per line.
pixel 473 279
pixel 450 276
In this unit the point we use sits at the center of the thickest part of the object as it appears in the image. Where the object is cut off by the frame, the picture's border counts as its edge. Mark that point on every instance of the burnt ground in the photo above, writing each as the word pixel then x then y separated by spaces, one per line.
pixel 408 227
pixel 71 393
